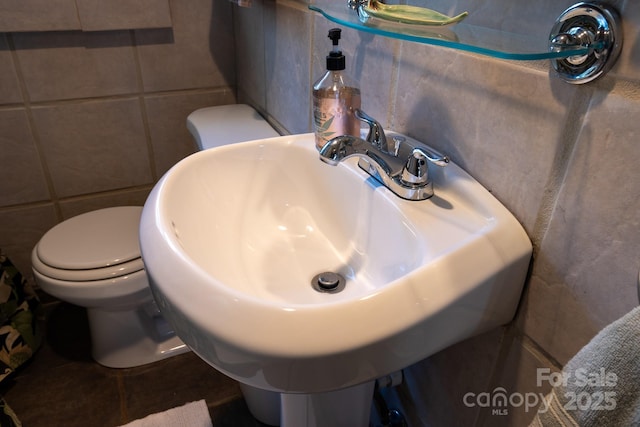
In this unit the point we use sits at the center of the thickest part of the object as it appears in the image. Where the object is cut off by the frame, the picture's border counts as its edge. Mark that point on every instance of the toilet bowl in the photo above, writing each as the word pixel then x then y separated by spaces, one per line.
pixel 93 261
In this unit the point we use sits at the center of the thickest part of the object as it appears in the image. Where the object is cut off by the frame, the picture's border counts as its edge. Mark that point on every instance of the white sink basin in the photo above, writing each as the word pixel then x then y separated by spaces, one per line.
pixel 232 237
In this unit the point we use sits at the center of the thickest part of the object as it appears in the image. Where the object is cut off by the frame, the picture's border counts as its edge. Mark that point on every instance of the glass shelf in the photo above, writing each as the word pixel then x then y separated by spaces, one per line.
pixel 485 41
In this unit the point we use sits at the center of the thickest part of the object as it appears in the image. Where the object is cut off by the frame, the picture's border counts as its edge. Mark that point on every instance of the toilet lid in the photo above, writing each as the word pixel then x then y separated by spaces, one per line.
pixel 93 240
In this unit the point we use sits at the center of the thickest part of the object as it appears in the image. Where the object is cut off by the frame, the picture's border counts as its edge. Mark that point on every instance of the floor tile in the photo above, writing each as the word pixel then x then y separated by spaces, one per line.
pixel 62 385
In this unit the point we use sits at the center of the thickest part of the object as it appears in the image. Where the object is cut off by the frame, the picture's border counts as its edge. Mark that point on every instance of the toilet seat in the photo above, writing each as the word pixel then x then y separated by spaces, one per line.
pixel 97 245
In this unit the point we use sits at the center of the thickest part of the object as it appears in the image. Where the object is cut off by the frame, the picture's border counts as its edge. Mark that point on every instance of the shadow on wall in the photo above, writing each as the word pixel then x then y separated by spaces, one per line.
pixel 360 54
pixel 221 40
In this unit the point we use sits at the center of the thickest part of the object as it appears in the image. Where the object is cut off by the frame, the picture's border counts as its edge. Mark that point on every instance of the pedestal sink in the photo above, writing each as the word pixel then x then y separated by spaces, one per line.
pixel 232 239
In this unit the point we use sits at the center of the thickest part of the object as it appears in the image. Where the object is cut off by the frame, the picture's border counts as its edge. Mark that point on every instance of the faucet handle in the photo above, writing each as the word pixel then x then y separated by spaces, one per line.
pixel 415 170
pixel 433 156
pixel 376 134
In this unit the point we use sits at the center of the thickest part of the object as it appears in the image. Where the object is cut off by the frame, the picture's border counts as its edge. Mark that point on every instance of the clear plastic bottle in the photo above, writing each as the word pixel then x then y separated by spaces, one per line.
pixel 335 98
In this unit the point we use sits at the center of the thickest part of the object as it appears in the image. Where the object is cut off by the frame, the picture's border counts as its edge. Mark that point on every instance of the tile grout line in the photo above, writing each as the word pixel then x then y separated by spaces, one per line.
pixel 124 415
pixel 101 98
pixel 143 107
pixel 395 81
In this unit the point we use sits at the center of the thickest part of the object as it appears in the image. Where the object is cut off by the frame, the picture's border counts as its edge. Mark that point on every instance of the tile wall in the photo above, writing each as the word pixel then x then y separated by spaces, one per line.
pixel 562 158
pixel 93 119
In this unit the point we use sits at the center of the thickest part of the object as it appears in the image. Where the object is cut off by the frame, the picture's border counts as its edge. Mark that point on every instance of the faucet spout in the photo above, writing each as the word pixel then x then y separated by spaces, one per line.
pixel 402 170
pixel 346 146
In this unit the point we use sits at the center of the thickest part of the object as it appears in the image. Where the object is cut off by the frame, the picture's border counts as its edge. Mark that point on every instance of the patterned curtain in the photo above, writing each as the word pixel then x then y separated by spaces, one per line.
pixel 20 335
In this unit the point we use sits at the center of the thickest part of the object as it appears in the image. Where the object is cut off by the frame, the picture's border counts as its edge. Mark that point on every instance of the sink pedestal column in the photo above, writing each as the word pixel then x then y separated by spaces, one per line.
pixel 349 407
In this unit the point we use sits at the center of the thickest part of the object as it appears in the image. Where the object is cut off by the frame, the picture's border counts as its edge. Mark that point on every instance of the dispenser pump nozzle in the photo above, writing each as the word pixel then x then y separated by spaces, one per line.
pixel 334 35
pixel 335 59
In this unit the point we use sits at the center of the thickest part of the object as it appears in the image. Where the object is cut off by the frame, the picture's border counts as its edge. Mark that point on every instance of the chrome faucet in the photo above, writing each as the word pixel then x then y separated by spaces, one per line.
pixel 399 165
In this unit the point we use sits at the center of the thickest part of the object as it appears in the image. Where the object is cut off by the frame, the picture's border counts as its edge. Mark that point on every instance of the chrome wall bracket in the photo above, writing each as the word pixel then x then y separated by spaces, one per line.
pixel 593 25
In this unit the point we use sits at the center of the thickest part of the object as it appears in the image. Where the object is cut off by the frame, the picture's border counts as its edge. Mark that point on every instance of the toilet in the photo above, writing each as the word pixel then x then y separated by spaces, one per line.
pixel 93 260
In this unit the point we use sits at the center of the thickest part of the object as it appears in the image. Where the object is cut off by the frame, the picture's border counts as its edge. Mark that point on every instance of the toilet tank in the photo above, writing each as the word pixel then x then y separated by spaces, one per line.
pixel 226 124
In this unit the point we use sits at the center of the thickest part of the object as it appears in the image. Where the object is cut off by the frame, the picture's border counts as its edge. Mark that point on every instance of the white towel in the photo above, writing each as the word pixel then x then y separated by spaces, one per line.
pixel 194 414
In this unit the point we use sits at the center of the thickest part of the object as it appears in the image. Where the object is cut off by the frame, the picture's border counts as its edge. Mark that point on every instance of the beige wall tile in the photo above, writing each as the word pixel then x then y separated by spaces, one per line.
pixel 65 65
pixel 20 230
pixel 586 274
pixel 523 378
pixel 80 205
pixel 553 316
pixel 97 152
pixel 22 179
pixel 250 53
pixel 167 116
pixel 94 146
pixel 627 65
pixel 287 78
pixel 123 14
pixel 9 85
pixel 197 52
pixel 38 15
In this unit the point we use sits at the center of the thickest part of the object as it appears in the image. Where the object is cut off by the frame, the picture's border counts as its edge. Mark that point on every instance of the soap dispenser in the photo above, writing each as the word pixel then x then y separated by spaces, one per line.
pixel 335 98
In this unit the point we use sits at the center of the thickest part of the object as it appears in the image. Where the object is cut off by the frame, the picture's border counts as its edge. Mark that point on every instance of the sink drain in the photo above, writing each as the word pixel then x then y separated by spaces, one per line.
pixel 328 281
